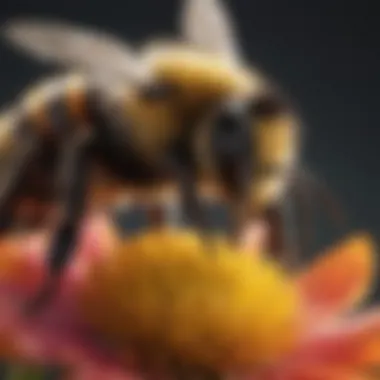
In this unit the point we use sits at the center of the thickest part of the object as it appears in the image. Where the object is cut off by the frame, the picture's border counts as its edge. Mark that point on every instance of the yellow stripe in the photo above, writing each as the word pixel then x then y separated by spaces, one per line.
pixel 7 140
pixel 36 109
pixel 276 141
pixel 76 97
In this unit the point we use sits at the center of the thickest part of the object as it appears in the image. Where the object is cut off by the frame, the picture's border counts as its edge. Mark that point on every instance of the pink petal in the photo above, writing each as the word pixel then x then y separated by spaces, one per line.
pixel 55 336
pixel 353 344
pixel 101 372
pixel 253 238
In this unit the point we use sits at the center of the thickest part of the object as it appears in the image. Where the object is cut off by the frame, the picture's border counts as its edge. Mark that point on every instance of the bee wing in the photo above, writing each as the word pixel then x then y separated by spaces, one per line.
pixel 74 46
pixel 207 24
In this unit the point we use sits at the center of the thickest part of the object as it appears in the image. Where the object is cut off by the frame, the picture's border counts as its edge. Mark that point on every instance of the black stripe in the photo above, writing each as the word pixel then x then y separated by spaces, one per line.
pixel 269 105
pixel 232 150
pixel 115 143
pixel 58 115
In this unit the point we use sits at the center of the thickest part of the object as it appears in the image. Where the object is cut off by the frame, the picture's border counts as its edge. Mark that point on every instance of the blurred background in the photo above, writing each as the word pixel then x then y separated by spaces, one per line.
pixel 325 53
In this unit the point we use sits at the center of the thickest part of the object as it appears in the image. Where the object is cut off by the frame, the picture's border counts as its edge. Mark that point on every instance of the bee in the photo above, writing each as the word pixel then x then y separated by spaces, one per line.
pixel 189 112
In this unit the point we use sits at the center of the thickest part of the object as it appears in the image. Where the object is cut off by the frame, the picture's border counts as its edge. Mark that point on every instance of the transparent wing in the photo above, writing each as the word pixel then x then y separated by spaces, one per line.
pixel 207 24
pixel 73 46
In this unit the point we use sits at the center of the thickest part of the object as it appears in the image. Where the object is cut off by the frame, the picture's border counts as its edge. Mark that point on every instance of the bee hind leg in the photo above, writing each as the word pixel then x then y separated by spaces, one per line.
pixel 72 187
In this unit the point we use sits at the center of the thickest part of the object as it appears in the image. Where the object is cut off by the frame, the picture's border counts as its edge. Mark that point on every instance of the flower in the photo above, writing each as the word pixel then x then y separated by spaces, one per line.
pixel 165 290
pixel 132 305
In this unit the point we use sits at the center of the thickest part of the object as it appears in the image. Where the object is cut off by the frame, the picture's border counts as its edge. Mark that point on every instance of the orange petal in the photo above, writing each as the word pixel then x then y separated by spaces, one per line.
pixel 339 279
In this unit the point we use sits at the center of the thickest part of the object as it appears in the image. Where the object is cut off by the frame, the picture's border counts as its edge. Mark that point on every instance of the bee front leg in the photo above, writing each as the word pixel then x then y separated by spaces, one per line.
pixel 284 240
pixel 73 179
pixel 293 241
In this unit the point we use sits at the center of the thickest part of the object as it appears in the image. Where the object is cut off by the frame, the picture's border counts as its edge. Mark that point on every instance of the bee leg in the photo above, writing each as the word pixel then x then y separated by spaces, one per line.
pixel 238 215
pixel 72 185
pixel 182 168
pixel 306 215
pixel 283 234
pixel 190 201
pixel 11 179
pixel 293 241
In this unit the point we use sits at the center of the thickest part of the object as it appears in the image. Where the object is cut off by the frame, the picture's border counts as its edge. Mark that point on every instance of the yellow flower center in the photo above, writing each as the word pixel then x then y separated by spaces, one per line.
pixel 206 304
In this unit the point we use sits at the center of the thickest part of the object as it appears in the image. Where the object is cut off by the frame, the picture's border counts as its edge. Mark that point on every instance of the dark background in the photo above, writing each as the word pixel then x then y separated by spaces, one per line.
pixel 326 53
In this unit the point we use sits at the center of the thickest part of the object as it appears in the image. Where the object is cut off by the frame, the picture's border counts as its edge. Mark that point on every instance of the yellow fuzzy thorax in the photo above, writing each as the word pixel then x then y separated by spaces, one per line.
pixel 206 305
pixel 201 74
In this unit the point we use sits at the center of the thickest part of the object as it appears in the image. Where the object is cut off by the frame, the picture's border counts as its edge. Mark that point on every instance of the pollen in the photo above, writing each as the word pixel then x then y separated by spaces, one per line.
pixel 202 302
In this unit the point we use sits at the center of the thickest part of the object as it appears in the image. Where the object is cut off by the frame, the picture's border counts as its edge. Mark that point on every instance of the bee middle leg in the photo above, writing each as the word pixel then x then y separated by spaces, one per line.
pixel 190 201
pixel 73 180
pixel 182 167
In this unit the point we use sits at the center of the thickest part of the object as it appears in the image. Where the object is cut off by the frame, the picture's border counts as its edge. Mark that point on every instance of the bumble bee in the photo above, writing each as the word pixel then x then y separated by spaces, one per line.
pixel 189 111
